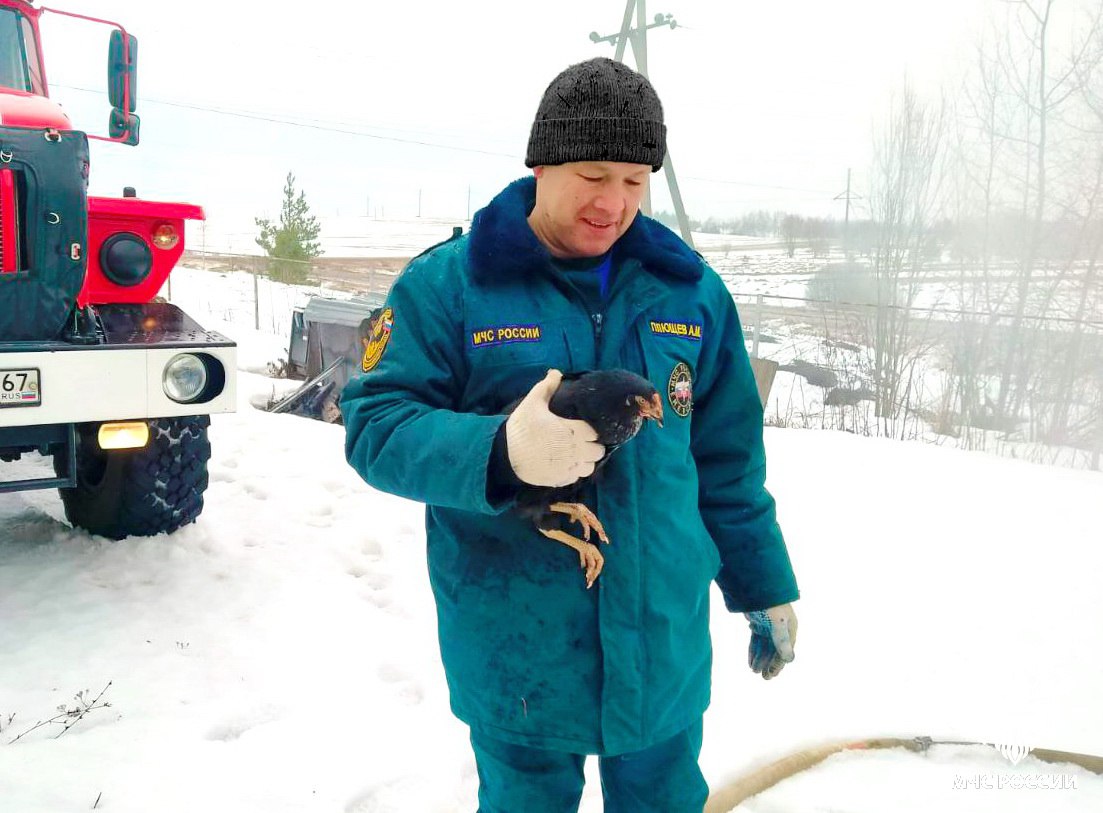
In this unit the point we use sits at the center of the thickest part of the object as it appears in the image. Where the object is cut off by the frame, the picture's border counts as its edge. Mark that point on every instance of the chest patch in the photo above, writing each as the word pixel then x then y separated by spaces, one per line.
pixel 679 389
pixel 380 335
pixel 505 334
pixel 682 330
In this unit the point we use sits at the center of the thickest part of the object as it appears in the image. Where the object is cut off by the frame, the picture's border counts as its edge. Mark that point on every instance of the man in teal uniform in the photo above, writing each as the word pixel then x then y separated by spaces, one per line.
pixel 560 272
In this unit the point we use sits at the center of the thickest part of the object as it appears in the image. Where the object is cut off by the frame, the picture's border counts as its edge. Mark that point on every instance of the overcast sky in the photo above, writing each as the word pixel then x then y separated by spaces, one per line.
pixel 767 103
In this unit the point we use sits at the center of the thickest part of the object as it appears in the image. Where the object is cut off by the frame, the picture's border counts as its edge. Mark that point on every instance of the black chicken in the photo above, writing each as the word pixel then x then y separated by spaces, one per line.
pixel 615 403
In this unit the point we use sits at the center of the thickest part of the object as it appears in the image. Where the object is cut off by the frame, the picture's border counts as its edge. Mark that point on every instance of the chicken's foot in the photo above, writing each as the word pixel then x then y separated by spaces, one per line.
pixel 583 516
pixel 589 556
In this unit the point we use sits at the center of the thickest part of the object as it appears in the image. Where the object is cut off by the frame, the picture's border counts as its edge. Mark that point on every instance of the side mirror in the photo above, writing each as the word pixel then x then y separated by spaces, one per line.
pixel 122 71
pixel 123 127
pixel 122 78
pixel 122 86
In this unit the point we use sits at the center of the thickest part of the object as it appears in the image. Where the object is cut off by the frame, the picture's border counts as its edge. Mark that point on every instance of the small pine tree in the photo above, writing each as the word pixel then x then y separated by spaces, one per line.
pixel 294 242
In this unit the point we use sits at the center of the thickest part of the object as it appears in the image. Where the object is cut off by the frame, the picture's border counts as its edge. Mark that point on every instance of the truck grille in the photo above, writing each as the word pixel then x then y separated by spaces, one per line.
pixel 9 223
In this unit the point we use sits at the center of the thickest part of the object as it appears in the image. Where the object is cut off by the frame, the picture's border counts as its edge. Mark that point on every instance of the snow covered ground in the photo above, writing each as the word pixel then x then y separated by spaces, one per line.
pixel 280 654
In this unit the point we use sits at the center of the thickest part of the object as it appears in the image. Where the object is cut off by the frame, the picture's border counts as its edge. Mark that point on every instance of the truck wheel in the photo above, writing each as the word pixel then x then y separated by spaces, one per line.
pixel 140 492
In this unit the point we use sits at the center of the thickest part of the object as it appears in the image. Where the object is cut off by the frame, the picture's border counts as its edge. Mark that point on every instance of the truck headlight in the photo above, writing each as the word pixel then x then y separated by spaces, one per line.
pixel 126 259
pixel 185 378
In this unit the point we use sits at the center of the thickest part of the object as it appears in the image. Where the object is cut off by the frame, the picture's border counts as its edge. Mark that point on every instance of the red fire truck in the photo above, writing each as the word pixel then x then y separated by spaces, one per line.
pixel 95 371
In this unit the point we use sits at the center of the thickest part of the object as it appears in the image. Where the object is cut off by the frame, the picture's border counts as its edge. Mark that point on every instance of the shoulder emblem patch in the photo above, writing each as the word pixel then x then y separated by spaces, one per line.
pixel 381 334
pixel 679 389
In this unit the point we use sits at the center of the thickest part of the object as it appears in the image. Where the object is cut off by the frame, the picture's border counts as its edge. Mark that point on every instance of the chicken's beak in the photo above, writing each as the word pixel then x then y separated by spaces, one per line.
pixel 652 409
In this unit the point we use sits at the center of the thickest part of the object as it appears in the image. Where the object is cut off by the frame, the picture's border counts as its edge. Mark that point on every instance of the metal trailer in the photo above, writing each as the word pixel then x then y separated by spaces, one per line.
pixel 326 348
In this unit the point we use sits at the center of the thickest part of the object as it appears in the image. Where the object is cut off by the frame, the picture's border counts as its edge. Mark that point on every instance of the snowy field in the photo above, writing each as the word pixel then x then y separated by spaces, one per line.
pixel 341 235
pixel 240 301
pixel 280 654
pixel 758 271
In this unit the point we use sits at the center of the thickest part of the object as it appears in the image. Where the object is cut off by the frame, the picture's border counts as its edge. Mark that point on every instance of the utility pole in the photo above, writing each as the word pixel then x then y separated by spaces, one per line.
pixel 638 38
pixel 469 201
pixel 419 203
pixel 846 222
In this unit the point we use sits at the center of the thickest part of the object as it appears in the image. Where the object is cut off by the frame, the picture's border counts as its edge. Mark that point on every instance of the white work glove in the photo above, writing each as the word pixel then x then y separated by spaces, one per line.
pixel 773 635
pixel 544 449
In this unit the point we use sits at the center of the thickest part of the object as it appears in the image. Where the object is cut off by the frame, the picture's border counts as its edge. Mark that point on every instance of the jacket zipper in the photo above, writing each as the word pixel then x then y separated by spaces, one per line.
pixel 598 320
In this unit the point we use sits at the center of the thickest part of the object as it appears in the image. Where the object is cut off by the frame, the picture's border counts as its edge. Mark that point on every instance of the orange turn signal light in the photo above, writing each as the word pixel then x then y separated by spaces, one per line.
pixel 129 435
pixel 165 236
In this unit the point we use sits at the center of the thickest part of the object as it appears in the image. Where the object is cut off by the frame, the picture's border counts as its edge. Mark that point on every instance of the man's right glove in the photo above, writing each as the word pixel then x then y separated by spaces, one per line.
pixel 544 449
pixel 773 635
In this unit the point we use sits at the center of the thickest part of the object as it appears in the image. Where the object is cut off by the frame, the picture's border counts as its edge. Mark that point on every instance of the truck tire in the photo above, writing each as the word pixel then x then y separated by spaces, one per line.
pixel 140 492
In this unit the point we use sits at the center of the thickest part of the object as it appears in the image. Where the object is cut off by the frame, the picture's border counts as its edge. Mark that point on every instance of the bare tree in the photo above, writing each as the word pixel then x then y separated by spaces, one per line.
pixel 904 201
pixel 791 228
pixel 1040 95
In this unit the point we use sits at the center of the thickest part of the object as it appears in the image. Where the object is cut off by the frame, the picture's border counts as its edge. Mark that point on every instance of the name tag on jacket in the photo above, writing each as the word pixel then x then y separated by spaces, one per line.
pixel 683 330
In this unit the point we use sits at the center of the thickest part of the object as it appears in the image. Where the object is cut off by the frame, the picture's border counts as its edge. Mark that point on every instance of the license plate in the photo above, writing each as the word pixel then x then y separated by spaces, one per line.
pixel 20 388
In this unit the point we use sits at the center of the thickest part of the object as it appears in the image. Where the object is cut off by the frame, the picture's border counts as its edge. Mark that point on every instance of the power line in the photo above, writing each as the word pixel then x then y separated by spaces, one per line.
pixel 916 309
pixel 760 185
pixel 334 127
pixel 331 128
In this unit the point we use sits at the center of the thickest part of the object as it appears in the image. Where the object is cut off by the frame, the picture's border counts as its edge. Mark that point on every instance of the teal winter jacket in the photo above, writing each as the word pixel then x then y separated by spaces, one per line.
pixel 530 655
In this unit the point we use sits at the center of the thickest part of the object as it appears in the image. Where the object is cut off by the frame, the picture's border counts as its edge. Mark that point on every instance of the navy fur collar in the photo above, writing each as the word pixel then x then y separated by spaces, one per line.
pixel 503 246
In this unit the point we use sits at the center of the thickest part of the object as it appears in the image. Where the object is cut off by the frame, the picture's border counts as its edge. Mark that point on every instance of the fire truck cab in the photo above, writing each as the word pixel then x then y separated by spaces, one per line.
pixel 96 372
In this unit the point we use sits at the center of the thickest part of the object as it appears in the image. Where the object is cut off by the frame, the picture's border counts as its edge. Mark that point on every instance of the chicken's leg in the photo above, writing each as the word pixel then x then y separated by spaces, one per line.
pixel 588 554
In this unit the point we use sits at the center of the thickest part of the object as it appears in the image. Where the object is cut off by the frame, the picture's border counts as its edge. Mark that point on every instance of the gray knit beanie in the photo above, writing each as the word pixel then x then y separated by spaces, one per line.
pixel 599 110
